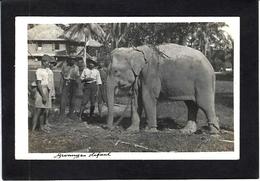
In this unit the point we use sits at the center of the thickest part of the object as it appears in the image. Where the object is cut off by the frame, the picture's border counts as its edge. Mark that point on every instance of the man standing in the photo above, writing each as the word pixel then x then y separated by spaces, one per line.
pixel 69 75
pixel 79 90
pixel 92 80
pixel 102 98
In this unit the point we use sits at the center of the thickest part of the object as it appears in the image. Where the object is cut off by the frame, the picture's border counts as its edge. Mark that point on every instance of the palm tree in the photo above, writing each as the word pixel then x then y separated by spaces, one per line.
pixel 85 33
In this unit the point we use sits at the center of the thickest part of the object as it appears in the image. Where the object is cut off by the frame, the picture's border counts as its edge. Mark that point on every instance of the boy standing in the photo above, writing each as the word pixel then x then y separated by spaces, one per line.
pixel 42 94
pixel 92 80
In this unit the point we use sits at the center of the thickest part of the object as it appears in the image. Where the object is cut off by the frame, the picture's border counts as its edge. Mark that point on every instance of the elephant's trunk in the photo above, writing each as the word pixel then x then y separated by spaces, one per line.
pixel 110 100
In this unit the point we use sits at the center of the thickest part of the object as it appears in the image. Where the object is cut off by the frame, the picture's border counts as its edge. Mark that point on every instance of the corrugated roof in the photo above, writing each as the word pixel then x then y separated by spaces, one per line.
pixel 93 43
pixel 45 32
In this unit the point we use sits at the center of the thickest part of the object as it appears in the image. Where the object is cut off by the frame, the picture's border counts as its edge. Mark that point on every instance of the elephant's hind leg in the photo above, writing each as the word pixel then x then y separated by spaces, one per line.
pixel 208 107
pixel 191 126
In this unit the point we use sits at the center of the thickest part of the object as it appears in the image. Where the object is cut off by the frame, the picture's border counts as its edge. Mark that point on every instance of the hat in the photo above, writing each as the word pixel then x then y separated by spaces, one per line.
pixel 47 58
pixel 74 57
pixel 53 62
pixel 92 60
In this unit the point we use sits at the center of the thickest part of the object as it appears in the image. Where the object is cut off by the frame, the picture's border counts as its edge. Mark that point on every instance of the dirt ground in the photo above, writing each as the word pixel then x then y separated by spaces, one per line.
pixel 76 136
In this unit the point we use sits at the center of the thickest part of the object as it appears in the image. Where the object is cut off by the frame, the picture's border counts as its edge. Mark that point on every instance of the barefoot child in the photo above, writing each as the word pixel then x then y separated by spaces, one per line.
pixel 42 95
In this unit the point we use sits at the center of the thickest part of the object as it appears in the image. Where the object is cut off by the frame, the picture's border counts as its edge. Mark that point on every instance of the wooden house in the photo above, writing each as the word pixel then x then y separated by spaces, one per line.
pixel 49 39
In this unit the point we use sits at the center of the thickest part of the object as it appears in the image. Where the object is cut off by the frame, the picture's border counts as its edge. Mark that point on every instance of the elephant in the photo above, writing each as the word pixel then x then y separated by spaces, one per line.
pixel 171 71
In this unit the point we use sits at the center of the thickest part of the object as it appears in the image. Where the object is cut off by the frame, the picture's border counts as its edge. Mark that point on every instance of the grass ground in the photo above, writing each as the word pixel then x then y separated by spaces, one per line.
pixel 75 136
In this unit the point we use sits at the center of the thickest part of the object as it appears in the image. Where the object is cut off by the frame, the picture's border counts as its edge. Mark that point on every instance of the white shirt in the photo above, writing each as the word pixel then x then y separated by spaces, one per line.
pixel 42 75
pixel 94 74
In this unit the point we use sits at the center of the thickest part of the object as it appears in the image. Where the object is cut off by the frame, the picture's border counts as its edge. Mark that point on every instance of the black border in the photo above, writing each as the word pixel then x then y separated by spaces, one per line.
pixel 246 167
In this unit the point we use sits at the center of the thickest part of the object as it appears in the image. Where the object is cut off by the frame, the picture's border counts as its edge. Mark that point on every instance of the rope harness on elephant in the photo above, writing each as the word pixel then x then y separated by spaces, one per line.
pixel 155 48
pixel 131 97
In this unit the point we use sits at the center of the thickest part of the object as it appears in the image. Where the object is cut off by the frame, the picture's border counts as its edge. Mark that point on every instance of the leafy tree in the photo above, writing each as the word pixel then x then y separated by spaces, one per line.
pixel 209 38
pixel 206 37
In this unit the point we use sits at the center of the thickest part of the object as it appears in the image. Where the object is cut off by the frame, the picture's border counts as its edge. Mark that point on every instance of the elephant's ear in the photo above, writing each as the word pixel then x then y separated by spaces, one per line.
pixel 139 57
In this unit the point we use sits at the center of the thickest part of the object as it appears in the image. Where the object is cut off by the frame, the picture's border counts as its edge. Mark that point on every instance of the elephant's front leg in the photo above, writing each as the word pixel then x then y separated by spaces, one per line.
pixel 135 119
pixel 149 102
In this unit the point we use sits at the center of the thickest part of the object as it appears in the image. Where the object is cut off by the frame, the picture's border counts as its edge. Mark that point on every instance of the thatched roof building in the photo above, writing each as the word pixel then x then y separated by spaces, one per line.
pixel 45 32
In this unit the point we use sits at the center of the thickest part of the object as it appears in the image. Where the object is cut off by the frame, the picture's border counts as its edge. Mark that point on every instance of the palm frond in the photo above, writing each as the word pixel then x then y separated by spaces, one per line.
pixel 78 32
pixel 97 30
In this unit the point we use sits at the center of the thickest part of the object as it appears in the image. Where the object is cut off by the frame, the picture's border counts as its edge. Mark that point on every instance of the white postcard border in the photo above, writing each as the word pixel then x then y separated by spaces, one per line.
pixel 21 98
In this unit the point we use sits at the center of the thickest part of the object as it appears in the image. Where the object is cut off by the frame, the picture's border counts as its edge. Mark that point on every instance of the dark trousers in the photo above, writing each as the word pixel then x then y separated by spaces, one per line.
pixel 68 96
pixel 89 94
pixel 102 96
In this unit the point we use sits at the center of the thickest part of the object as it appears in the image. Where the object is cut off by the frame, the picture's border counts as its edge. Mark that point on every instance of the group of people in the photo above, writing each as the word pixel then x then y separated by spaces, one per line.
pixel 79 85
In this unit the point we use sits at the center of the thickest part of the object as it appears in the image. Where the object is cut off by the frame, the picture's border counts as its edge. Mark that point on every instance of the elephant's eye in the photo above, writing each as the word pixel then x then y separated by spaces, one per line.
pixel 115 71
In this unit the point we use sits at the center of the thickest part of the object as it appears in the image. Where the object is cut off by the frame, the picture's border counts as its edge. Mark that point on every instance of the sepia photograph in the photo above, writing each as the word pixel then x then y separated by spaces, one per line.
pixel 127 88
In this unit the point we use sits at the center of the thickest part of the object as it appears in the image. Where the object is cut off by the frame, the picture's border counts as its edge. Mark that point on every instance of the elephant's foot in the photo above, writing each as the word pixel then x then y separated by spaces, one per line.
pixel 214 127
pixel 150 129
pixel 190 128
pixel 133 128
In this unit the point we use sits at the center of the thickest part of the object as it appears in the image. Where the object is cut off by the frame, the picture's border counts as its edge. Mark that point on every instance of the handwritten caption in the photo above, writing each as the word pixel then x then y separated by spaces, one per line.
pixel 82 155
